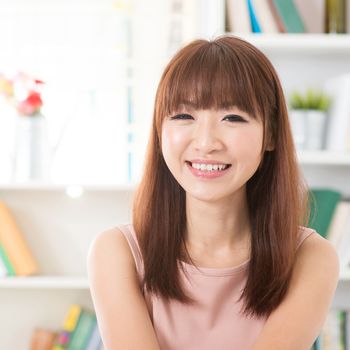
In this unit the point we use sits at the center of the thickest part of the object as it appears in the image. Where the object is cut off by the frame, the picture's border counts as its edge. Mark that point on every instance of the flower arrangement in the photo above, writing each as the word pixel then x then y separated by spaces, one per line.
pixel 312 99
pixel 23 92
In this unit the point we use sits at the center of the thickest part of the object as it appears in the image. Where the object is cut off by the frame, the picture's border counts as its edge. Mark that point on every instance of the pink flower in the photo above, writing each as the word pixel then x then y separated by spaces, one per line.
pixel 22 92
pixel 31 104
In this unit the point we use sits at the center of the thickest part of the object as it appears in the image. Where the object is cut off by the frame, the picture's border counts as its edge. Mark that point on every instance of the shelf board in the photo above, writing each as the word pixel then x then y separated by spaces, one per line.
pixel 45 186
pixel 72 283
pixel 44 282
pixel 324 158
pixel 299 43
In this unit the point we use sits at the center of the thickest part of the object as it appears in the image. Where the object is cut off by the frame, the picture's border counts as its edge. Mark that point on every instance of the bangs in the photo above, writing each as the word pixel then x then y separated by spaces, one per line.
pixel 210 77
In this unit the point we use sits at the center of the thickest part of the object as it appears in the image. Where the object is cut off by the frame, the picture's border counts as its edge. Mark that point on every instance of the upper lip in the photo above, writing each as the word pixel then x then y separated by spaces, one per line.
pixel 206 161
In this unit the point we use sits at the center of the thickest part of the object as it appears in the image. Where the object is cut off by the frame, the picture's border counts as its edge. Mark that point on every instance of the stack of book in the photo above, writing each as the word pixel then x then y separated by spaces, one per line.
pixel 16 258
pixel 330 217
pixel 79 332
pixel 275 16
pixel 335 331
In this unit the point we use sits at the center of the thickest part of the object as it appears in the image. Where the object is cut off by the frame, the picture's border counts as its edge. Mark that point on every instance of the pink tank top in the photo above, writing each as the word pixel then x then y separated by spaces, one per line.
pixel 215 321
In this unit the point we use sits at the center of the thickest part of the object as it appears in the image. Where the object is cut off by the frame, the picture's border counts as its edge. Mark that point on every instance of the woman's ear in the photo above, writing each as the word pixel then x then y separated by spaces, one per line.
pixel 270 146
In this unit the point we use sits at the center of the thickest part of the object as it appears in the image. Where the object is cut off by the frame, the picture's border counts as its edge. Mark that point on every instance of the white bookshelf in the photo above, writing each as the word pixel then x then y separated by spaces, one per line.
pixel 325 44
pixel 58 228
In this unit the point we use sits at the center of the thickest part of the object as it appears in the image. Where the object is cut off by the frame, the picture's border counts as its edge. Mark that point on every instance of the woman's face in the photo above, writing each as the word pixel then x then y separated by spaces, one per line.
pixel 193 138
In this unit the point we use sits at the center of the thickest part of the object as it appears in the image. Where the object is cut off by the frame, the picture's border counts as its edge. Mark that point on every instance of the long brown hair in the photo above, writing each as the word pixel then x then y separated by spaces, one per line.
pixel 218 74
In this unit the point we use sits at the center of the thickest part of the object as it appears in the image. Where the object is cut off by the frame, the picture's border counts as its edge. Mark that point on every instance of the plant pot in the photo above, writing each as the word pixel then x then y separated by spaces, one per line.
pixel 316 128
pixel 297 118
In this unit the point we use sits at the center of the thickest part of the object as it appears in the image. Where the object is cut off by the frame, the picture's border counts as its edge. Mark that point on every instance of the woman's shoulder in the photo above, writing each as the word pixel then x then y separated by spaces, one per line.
pixel 114 246
pixel 314 248
pixel 304 233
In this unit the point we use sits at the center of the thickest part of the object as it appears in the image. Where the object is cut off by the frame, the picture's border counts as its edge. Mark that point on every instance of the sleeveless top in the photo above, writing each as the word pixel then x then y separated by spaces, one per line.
pixel 214 322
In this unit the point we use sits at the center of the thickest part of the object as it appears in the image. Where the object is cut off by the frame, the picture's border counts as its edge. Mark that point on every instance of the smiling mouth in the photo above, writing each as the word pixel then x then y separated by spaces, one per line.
pixel 226 166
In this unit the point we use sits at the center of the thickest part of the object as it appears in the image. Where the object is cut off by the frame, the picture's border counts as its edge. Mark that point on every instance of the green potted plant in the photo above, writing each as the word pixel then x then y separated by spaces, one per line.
pixel 308 116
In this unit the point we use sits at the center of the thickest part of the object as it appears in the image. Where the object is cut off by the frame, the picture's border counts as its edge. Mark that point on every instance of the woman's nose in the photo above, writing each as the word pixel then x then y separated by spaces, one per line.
pixel 206 138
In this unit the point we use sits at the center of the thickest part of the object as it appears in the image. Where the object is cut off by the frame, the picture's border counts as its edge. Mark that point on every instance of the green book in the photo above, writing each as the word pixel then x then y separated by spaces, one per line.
pixel 7 263
pixel 83 331
pixel 342 324
pixel 323 202
pixel 290 16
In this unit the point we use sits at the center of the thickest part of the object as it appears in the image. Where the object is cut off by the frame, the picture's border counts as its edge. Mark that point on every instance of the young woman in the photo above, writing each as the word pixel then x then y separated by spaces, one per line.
pixel 217 255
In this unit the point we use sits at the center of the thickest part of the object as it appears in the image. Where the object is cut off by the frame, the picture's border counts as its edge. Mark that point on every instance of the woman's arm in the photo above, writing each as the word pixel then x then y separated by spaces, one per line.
pixel 119 304
pixel 298 320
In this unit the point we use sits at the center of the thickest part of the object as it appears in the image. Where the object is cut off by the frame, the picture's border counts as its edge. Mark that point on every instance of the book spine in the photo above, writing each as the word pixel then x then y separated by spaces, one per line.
pixel 280 25
pixel 238 16
pixel 82 333
pixel 6 263
pixel 95 339
pixel 42 339
pixel 3 270
pixel 69 325
pixel 14 244
pixel 290 16
pixel 253 19
pixel 264 15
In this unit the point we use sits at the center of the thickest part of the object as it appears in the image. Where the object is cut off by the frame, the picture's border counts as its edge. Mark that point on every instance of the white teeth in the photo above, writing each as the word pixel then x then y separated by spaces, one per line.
pixel 209 167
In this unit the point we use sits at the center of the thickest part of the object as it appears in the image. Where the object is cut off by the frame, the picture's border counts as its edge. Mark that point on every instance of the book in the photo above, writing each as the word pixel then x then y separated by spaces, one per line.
pixel 343 247
pixel 278 20
pixel 6 263
pixel 312 13
pixel 14 244
pixel 238 16
pixel 331 330
pixel 264 16
pixel 69 324
pixel 339 222
pixel 3 270
pixel 42 339
pixel 83 330
pixel 323 202
pixel 289 16
pixel 348 17
pixel 338 131
pixel 95 339
pixel 253 19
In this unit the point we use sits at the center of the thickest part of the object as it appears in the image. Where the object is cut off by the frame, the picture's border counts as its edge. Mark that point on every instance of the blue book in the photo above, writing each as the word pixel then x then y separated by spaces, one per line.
pixel 253 19
pixel 95 340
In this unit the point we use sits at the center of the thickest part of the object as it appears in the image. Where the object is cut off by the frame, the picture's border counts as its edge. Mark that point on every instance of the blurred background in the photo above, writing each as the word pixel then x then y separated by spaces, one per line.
pixel 77 86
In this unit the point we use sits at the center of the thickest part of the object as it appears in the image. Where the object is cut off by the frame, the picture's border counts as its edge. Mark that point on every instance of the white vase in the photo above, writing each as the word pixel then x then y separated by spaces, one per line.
pixel 316 121
pixel 31 149
pixel 297 118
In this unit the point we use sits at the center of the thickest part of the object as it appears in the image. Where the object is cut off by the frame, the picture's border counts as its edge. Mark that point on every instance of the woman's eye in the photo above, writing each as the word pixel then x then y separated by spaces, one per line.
pixel 181 116
pixel 235 118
